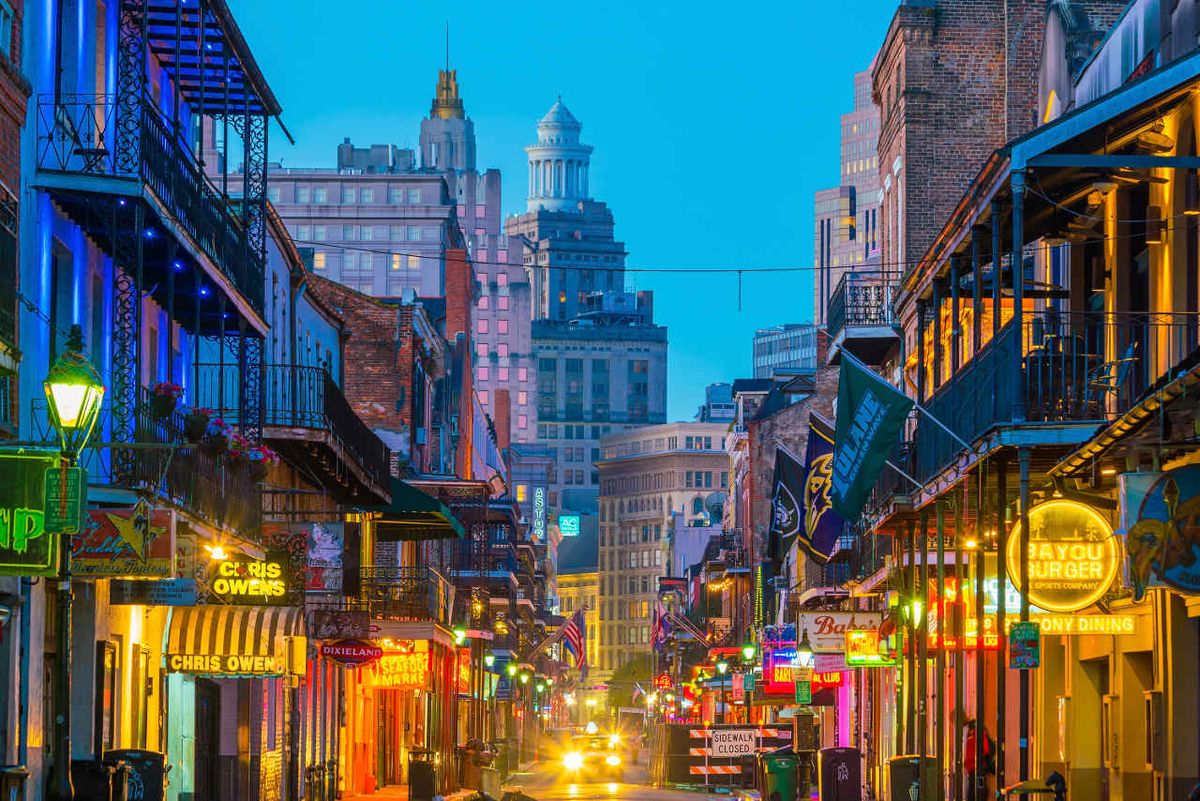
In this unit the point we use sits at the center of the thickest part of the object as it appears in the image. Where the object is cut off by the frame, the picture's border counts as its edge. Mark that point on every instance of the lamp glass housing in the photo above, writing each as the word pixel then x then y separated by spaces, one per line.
pixel 74 393
pixel 805 657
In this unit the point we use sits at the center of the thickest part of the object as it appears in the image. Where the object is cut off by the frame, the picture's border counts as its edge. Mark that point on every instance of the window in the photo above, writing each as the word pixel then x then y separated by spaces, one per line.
pixel 657 557
pixel 302 194
pixel 320 195
pixel 483 301
pixel 414 233
pixel 502 348
pixel 522 398
pixel 320 233
pixel 481 256
pixel 414 196
pixel 368 233
pixel 482 372
pixel 633 559
pixel 502 256
pixel 414 262
pixel 501 373
pixel 318 261
pixel 348 194
pixel 349 260
pixel 395 232
pixel 395 195
pixel 396 265
pixel 366 196
pixel 638 404
pixel 483 396
pixel 502 278
pixel 481 326
pixel 349 232
pixel 502 326
pixel 522 373
pixel 481 350
pixel 481 278
pixel 303 233
pixel 272 192
pixel 502 303
pixel 480 211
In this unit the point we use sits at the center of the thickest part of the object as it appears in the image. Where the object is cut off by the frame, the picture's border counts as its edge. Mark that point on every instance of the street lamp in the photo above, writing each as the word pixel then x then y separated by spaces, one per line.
pixel 722 666
pixel 804 652
pixel 489 659
pixel 511 669
pixel 74 392
pixel 749 651
pixel 460 635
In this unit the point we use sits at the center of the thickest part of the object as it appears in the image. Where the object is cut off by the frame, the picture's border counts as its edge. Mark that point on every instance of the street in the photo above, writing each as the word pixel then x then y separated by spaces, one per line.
pixel 542 783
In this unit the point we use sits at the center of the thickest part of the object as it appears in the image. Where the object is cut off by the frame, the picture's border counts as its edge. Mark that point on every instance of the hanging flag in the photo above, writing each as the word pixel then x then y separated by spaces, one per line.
pixel 870 416
pixel 574 637
pixel 660 628
pixel 786 510
pixel 822 525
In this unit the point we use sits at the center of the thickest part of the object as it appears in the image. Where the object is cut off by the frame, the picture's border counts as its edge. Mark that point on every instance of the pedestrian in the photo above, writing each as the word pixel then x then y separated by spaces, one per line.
pixel 977 774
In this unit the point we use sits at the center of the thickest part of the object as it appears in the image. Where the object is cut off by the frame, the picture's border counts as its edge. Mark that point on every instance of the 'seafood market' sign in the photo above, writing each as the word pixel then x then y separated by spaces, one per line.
pixel 405 669
pixel 1073 556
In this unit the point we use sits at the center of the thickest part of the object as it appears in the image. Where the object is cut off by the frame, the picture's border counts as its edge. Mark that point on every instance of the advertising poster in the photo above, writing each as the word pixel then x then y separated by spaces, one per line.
pixel 137 541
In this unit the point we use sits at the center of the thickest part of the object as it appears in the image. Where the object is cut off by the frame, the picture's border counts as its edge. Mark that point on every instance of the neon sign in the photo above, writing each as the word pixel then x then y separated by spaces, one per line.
pixel 1073 556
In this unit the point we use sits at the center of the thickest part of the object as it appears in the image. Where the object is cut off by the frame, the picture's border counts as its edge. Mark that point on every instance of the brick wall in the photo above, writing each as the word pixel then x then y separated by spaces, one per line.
pixel 14 91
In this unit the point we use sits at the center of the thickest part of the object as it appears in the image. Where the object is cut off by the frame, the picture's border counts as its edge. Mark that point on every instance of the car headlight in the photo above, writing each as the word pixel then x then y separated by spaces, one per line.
pixel 614 739
pixel 573 760
pixel 613 760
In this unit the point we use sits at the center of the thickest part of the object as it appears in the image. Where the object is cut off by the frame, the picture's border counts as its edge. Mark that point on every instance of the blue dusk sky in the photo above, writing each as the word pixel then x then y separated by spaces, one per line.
pixel 712 127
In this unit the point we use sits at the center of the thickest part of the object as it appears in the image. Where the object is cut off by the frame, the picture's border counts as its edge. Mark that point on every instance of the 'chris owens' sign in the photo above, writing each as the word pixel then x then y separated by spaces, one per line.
pixel 226 664
pixel 1073 556
pixel 243 579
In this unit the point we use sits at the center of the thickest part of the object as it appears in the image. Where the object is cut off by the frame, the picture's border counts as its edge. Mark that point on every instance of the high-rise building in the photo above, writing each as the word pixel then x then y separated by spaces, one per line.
pixel 789 347
pixel 601 372
pixel 646 476
pixel 846 217
pixel 718 404
pixel 381 224
pixel 568 239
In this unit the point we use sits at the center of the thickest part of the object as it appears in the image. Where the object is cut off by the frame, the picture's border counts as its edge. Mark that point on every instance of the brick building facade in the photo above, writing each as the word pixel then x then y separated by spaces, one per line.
pixel 14 92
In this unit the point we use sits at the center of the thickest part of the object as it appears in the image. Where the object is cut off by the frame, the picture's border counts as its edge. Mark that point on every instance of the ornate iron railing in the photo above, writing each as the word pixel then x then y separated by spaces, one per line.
pixel 79 135
pixel 162 462
pixel 408 594
pixel 861 300
pixel 297 397
pixel 1075 367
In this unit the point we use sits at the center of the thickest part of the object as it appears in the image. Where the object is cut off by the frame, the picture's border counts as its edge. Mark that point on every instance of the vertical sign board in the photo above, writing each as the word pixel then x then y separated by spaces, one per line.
pixel 539 513
pixel 1024 645
pixel 804 692
pixel 64 499
pixel 26 548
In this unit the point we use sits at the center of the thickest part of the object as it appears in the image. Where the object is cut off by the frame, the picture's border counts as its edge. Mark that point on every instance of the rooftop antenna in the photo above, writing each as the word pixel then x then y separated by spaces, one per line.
pixel 447 45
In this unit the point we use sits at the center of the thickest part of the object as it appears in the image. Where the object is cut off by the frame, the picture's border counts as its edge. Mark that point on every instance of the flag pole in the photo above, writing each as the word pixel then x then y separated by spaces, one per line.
pixel 847 355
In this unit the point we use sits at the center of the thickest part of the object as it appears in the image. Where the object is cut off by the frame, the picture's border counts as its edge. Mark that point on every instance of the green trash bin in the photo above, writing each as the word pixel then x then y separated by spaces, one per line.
pixel 781 777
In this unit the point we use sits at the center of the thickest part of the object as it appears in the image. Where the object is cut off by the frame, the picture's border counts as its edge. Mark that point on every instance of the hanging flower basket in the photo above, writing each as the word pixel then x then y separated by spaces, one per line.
pixel 216 437
pixel 195 424
pixel 259 460
pixel 163 398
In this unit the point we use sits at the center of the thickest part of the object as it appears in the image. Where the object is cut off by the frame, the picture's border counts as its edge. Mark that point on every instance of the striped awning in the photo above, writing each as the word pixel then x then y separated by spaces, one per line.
pixel 235 640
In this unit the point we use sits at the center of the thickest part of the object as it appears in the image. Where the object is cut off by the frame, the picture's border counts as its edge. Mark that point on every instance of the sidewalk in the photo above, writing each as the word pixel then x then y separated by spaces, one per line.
pixel 400 793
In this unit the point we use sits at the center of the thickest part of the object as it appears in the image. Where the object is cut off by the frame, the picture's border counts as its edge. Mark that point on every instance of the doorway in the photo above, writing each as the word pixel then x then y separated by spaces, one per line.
pixel 208 720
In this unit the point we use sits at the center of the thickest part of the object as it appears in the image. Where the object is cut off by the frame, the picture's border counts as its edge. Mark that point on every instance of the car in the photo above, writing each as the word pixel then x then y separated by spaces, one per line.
pixel 593 757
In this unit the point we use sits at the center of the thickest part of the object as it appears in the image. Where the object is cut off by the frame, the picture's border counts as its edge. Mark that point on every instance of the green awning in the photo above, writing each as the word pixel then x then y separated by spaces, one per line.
pixel 414 515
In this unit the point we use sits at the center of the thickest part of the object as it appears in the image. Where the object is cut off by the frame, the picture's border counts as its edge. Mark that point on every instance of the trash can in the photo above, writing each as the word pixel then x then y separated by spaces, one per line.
pixel 146 772
pixel 905 773
pixel 422 776
pixel 12 782
pixel 780 776
pixel 839 774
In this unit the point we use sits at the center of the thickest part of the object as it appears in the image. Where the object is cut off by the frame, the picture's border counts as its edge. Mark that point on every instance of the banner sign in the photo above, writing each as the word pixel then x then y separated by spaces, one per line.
pixel 1073 556
pixel 870 416
pixel 332 624
pixel 226 664
pixel 1024 646
pixel 822 525
pixel 787 512
pixel 165 592
pixel 25 547
pixel 354 653
pixel 827 630
pixel 1164 542
pixel 246 580
pixel 325 548
pixel 137 541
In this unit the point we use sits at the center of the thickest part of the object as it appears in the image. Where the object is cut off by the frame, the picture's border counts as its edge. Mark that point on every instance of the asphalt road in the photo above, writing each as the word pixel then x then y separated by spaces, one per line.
pixel 543 783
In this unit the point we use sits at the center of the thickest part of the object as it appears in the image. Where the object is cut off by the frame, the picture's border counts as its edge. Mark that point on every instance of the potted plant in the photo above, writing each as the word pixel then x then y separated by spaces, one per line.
pixel 216 436
pixel 195 423
pixel 236 451
pixel 163 397
pixel 260 459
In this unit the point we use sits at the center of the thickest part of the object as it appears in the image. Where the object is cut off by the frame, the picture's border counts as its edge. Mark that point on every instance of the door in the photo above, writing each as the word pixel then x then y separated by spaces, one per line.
pixel 208 718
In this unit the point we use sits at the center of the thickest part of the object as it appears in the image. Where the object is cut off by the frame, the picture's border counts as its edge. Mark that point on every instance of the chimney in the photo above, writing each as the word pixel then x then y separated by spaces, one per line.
pixel 460 293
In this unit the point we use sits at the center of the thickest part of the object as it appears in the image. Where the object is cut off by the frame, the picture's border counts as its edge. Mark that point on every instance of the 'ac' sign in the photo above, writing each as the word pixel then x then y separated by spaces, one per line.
pixel 25 547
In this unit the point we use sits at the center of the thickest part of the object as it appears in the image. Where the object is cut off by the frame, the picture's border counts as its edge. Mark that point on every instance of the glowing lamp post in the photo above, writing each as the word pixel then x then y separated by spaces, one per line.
pixel 74 392
pixel 722 666
pixel 805 657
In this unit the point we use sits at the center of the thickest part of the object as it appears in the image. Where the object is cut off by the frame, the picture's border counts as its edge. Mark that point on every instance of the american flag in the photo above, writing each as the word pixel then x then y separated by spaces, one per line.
pixel 660 628
pixel 574 637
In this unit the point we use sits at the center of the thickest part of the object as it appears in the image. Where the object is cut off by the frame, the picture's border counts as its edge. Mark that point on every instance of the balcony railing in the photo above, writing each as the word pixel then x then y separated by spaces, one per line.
pixel 408 594
pixel 861 301
pixel 298 398
pixel 1076 366
pixel 164 464
pixel 79 135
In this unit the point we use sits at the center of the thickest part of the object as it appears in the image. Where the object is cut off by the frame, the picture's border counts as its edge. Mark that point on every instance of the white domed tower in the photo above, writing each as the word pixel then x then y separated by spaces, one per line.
pixel 558 163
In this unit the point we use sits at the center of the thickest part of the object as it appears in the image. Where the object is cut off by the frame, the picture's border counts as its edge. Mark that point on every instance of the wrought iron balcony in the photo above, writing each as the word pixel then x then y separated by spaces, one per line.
pixel 409 594
pixel 860 316
pixel 162 463
pixel 306 417
pixel 93 144
pixel 1076 367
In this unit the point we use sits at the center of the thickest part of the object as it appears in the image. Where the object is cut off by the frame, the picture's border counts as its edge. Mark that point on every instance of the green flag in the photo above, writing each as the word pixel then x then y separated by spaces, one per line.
pixel 870 416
